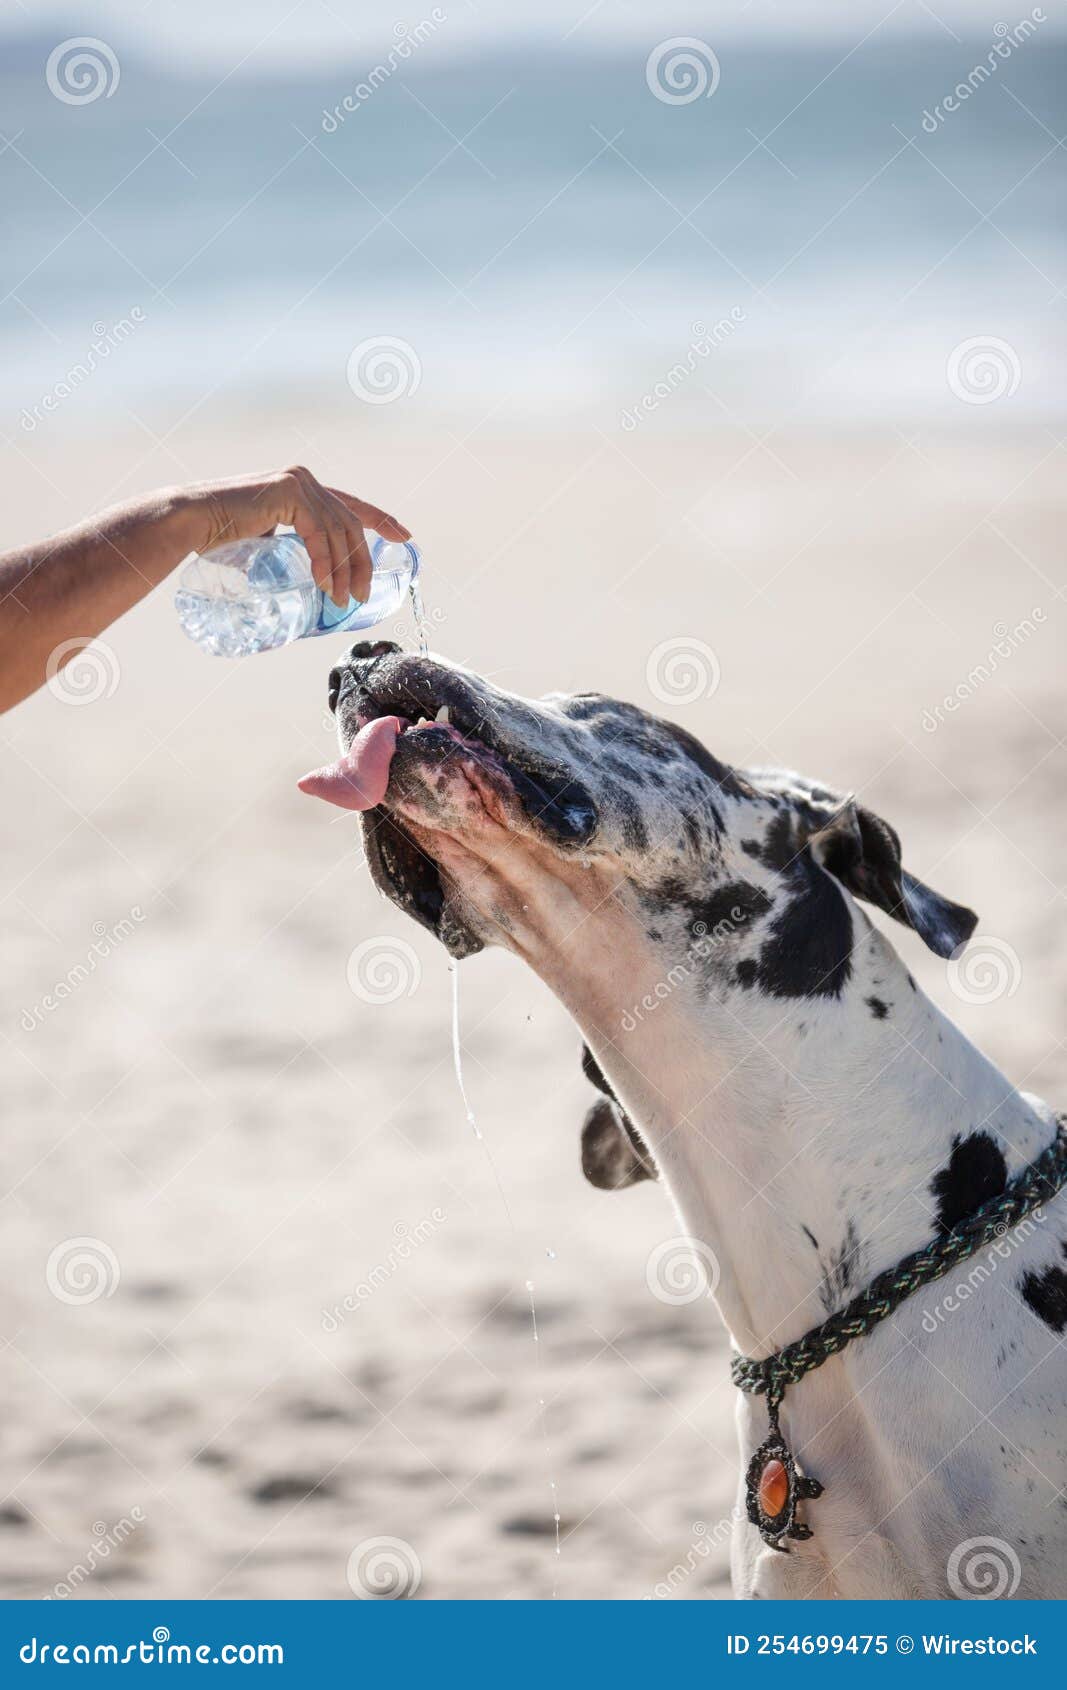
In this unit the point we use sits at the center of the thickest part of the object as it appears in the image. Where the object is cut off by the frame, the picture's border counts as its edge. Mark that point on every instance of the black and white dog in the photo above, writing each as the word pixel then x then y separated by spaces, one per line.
pixel 813 1115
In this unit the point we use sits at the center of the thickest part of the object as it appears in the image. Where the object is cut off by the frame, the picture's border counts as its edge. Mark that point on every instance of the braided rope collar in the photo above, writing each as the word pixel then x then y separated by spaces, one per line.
pixel 775 1485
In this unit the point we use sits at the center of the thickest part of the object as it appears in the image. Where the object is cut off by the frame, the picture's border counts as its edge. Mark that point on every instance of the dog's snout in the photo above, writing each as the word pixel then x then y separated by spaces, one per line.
pixel 364 649
pixel 343 680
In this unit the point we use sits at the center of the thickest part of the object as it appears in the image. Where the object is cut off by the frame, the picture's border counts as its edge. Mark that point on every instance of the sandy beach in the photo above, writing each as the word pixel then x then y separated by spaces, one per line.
pixel 316 1329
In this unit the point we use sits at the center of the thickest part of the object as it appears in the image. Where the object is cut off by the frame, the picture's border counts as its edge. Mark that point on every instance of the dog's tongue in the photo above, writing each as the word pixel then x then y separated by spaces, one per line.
pixel 357 781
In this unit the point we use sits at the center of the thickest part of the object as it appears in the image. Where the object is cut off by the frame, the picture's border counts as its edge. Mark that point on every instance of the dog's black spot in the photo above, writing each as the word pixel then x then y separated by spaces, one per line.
pixel 752 847
pixel 912 984
pixel 976 1172
pixel 666 897
pixel 809 951
pixel 746 973
pixel 627 771
pixel 720 773
pixel 693 832
pixel 634 832
pixel 1046 1294
pixel 878 1008
pixel 806 1230
pixel 734 905
pixel 779 846
pixel 839 1274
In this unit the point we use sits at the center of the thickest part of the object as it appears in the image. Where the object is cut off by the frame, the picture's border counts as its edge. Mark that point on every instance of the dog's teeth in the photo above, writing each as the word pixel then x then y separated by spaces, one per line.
pixel 442 714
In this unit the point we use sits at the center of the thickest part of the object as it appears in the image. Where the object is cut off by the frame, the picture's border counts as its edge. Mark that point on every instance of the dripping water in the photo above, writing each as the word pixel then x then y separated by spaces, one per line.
pixel 457 1056
pixel 457 1063
pixel 418 612
pixel 544 1435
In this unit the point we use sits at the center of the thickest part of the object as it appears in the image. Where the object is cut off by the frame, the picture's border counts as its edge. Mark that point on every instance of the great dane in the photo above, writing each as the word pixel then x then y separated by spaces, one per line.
pixel 763 1050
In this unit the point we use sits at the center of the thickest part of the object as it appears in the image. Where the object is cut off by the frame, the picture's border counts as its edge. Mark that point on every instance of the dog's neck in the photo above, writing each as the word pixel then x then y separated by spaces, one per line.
pixel 808 1143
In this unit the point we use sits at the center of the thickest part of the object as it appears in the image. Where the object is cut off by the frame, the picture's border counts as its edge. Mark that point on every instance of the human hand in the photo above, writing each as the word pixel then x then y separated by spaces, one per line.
pixel 330 522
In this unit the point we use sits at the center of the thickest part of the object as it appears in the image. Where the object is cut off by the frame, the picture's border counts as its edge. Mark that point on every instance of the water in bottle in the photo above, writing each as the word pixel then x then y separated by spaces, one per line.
pixel 252 595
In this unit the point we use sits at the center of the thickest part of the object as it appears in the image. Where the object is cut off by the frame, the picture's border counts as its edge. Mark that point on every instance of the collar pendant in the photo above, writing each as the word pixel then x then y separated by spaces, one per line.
pixel 775 1487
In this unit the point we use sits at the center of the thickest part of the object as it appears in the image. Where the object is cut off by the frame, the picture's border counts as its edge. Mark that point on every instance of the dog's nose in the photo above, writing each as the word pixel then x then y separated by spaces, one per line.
pixel 362 652
pixel 372 648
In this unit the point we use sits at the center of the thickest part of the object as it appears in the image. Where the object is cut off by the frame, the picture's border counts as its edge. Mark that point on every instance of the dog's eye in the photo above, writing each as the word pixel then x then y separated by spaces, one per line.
pixel 335 688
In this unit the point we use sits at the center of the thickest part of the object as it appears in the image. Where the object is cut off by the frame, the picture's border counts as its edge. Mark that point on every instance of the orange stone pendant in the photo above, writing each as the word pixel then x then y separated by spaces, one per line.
pixel 774 1487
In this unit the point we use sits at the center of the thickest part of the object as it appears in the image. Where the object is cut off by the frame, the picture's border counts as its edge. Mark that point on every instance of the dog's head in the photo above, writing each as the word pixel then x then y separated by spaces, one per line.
pixel 591 836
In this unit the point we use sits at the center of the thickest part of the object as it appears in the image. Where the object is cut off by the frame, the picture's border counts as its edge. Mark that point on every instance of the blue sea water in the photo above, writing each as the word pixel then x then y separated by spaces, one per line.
pixel 543 234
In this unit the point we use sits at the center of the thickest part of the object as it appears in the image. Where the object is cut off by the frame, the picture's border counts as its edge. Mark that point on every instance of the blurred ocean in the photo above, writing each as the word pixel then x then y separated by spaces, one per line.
pixel 548 236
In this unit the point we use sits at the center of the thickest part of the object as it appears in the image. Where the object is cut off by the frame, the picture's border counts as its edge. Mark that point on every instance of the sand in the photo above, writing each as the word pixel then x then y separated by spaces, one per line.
pixel 250 1144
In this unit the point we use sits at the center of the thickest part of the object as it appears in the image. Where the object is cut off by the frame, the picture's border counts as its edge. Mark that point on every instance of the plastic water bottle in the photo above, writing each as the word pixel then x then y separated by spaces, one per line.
pixel 252 595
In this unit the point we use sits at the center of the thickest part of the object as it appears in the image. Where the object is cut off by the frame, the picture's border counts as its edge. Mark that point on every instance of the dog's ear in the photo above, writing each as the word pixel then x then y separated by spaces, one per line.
pixel 863 852
pixel 614 1155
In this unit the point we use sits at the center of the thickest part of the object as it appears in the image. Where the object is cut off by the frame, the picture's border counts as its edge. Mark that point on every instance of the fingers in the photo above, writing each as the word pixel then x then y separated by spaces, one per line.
pixel 317 542
pixel 359 558
pixel 332 526
pixel 372 516
pixel 350 560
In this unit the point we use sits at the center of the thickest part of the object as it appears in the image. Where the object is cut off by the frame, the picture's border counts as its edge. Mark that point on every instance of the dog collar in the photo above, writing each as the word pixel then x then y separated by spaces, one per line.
pixel 775 1486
